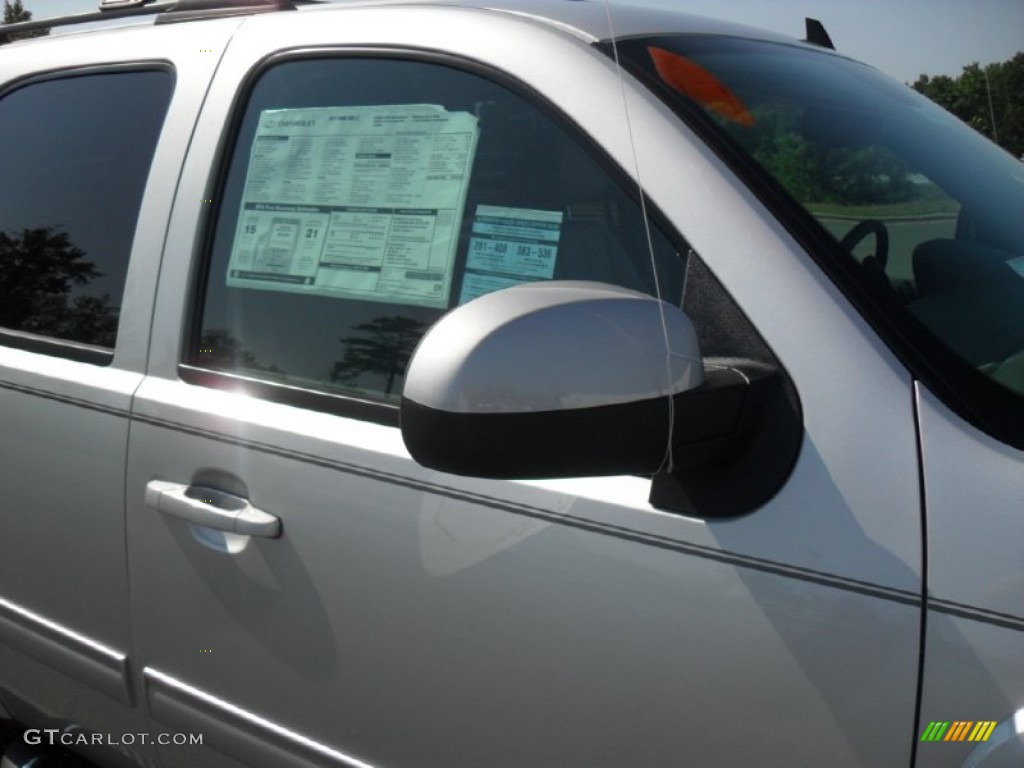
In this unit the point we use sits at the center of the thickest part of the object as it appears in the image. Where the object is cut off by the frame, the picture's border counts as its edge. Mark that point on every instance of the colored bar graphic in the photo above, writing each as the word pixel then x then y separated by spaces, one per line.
pixel 982 730
pixel 935 731
pixel 958 730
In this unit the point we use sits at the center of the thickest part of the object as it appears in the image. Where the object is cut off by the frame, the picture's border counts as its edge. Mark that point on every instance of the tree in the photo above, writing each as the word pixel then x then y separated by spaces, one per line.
pixel 990 99
pixel 385 351
pixel 219 349
pixel 14 12
pixel 39 272
pixel 819 172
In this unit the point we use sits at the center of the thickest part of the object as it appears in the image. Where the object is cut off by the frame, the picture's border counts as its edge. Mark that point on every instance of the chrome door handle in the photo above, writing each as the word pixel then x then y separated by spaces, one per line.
pixel 211 508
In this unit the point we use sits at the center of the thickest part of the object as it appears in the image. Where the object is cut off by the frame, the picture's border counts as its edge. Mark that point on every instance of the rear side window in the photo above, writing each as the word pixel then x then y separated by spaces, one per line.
pixel 76 154
pixel 365 197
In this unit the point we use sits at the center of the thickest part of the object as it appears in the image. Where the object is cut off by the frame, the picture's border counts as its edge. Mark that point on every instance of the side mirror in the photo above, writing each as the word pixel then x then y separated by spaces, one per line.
pixel 575 379
pixel 549 379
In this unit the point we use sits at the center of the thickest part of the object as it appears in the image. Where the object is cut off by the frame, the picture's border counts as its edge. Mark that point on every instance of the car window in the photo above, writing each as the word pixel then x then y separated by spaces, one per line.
pixel 365 197
pixel 77 154
pixel 930 212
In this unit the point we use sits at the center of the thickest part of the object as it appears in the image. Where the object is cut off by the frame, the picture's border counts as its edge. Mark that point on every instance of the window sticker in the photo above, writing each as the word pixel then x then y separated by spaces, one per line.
pixel 355 202
pixel 510 246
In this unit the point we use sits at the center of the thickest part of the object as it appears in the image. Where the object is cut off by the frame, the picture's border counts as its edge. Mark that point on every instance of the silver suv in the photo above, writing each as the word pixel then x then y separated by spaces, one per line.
pixel 529 383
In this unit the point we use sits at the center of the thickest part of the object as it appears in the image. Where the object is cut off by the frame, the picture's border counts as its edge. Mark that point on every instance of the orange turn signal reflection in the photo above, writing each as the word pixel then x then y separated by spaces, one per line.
pixel 694 81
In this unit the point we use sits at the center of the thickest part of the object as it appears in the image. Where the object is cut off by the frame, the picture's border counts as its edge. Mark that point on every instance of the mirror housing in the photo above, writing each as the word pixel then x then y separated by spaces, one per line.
pixel 549 379
pixel 575 379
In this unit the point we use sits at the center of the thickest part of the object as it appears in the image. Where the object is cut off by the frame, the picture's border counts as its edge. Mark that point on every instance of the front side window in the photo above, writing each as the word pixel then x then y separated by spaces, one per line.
pixel 932 212
pixel 365 197
pixel 76 156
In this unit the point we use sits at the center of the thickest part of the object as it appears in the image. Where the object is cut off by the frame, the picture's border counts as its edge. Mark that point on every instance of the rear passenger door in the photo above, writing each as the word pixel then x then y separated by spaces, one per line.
pixel 87 173
pixel 305 594
pixel 69 202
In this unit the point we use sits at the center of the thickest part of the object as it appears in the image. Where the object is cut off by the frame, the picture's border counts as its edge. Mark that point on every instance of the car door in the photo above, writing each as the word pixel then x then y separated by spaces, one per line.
pixel 306 594
pixel 81 221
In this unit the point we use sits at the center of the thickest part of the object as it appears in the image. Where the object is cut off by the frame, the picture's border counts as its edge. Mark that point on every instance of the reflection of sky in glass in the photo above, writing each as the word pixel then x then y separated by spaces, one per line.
pixel 76 155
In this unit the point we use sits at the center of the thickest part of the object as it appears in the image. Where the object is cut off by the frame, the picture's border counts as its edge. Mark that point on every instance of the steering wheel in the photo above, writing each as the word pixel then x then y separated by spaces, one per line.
pixel 862 229
pixel 1010 372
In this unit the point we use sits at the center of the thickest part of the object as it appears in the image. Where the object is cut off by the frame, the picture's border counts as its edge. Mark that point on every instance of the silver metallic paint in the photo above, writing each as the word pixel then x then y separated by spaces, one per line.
pixel 597 344
pixel 974 649
pixel 103 668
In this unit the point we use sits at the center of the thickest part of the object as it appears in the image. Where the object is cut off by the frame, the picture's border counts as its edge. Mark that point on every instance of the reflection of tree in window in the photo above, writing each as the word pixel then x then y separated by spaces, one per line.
pixel 826 166
pixel 383 349
pixel 219 349
pixel 39 269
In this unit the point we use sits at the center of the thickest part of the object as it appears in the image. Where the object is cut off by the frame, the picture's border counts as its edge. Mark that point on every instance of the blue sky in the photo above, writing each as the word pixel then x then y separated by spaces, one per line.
pixel 904 38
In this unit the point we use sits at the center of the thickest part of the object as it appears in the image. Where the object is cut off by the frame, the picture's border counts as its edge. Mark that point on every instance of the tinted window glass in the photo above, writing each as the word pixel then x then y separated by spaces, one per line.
pixel 77 152
pixel 366 197
pixel 930 214
pixel 932 211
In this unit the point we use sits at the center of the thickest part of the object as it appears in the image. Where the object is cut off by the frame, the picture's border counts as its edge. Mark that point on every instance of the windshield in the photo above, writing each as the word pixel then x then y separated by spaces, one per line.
pixel 928 208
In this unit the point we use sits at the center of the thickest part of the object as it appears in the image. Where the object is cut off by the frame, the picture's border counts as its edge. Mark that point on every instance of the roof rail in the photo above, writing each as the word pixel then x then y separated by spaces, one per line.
pixel 167 11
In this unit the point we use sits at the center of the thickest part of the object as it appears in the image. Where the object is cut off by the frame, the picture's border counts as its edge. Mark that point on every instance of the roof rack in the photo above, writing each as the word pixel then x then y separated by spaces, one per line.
pixel 167 11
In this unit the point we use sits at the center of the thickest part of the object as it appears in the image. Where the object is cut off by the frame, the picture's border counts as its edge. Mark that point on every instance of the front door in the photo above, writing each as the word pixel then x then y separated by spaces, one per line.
pixel 372 612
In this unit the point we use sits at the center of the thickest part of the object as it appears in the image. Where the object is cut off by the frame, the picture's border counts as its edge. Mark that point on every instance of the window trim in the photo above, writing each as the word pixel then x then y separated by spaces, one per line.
pixel 338 404
pixel 66 348
pixel 63 348
pixel 289 394
pixel 970 394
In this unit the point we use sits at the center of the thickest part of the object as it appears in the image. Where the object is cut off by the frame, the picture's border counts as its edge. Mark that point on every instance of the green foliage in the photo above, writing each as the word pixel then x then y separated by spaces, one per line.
pixel 794 163
pixel 39 271
pixel 968 97
pixel 15 12
pixel 810 156
pixel 815 173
